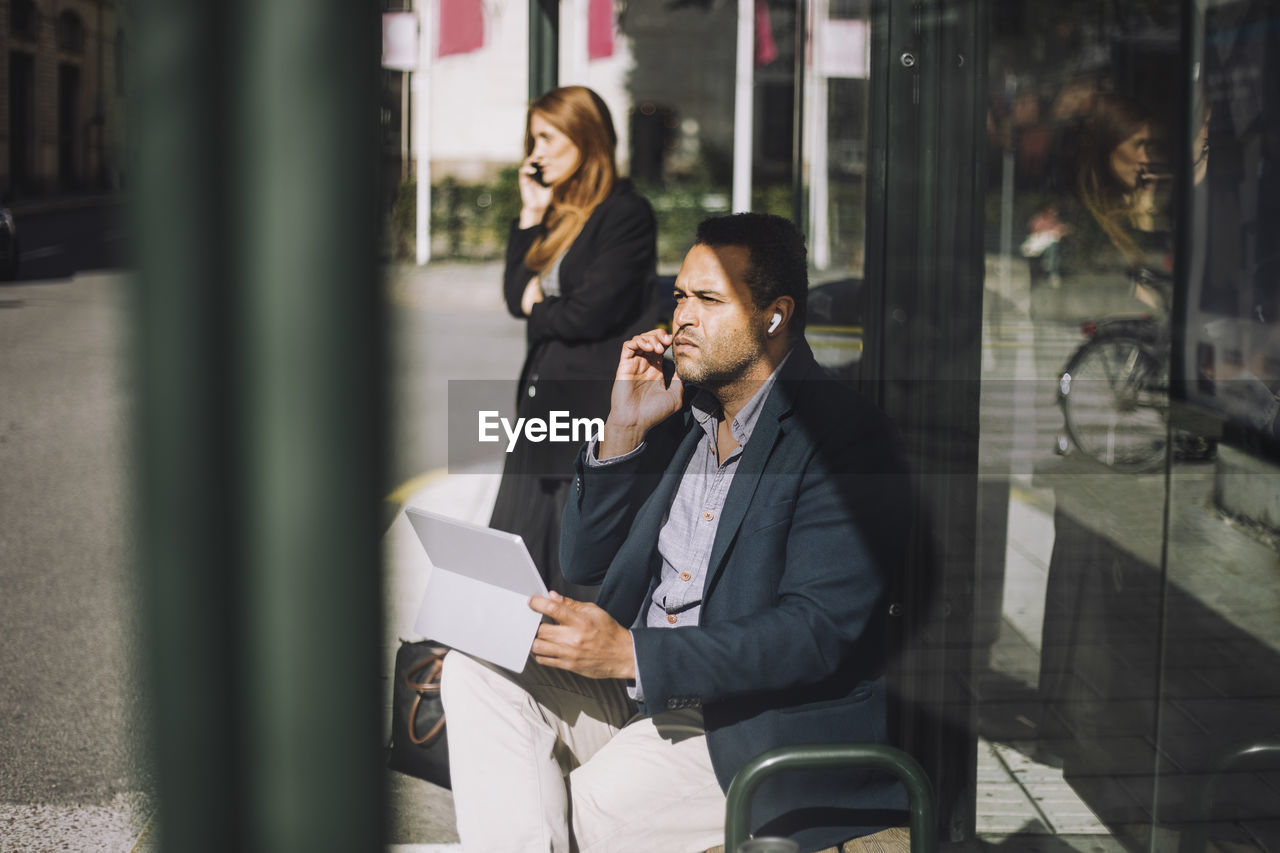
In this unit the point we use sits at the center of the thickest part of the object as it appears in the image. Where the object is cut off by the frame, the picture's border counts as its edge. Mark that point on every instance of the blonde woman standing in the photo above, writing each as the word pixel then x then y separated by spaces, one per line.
pixel 580 266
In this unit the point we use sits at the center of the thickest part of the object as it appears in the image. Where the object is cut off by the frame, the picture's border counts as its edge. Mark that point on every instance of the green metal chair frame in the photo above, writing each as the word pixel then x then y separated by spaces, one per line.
pixel 1262 755
pixel 819 756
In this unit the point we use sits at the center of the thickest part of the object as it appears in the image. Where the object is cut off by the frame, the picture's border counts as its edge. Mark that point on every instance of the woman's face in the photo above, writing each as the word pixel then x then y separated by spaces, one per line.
pixel 1130 158
pixel 553 152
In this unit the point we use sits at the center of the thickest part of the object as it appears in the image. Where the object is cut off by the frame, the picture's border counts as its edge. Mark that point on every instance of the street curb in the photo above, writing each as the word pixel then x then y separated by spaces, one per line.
pixel 59 204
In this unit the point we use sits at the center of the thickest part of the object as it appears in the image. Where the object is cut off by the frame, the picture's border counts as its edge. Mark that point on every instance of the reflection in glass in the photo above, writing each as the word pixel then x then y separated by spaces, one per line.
pixel 1075 414
pixel 1134 688
pixel 1233 302
pixel 1219 779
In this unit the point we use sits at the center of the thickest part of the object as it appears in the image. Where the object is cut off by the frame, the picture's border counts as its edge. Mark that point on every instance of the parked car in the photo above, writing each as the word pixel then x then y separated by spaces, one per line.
pixel 834 325
pixel 8 245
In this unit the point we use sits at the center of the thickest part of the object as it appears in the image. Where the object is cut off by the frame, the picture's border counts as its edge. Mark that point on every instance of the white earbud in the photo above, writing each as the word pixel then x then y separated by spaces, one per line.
pixel 775 322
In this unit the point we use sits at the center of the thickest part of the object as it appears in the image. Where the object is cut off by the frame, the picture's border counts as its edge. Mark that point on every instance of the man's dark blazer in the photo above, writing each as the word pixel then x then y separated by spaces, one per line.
pixel 790 647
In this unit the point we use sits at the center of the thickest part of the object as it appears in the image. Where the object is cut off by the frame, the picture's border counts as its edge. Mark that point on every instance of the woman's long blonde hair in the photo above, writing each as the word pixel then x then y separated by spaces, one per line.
pixel 581 115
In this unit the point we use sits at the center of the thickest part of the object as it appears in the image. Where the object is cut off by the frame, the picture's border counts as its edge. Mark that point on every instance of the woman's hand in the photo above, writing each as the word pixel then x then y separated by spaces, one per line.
pixel 532 295
pixel 534 197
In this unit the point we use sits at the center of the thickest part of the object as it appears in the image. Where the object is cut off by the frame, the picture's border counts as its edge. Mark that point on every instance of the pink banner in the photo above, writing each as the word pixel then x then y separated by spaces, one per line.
pixel 600 29
pixel 461 26
pixel 766 48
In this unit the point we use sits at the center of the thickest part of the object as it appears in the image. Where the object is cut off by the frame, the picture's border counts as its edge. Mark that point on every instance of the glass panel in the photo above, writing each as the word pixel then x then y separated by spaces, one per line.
pixel 1220 712
pixel 673 69
pixel 834 174
pixel 1075 407
pixel 675 120
pixel 1231 348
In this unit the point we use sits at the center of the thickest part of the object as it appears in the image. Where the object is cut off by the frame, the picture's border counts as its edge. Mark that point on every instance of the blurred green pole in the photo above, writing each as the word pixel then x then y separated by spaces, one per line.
pixel 544 47
pixel 260 420
pixel 314 421
pixel 188 537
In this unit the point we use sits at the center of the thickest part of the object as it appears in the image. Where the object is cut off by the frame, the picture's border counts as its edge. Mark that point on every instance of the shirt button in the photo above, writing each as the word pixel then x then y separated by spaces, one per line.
pixel 684 576
pixel 708 515
pixel 671 617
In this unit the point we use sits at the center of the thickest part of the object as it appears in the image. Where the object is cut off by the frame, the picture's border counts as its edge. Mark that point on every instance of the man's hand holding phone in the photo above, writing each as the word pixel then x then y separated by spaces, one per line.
pixel 641 398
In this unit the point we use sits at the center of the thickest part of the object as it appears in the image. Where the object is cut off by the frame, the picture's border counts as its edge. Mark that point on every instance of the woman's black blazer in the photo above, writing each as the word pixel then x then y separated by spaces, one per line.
pixel 574 340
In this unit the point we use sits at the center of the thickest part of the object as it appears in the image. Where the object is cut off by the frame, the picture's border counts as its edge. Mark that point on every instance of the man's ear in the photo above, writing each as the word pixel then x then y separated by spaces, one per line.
pixel 778 315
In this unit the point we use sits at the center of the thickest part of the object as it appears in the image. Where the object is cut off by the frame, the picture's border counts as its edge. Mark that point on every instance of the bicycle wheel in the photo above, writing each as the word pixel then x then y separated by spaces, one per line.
pixel 1115 400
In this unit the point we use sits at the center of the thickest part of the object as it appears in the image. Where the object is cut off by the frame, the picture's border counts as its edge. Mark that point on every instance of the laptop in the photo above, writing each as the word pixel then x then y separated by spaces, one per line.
pixel 477 598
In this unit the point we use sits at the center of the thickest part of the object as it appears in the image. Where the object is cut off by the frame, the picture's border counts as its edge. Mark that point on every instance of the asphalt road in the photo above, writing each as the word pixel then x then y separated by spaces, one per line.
pixel 73 772
pixel 73 769
pixel 70 710
pixel 447 323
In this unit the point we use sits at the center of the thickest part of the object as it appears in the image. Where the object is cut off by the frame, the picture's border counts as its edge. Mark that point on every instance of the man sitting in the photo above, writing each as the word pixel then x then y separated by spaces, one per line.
pixel 742 521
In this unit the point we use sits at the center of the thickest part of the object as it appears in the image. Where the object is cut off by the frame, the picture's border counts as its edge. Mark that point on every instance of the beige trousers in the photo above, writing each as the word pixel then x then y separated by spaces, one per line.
pixel 546 761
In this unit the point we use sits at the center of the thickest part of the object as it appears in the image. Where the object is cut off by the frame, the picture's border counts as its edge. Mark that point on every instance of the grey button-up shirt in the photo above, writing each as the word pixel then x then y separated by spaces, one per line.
pixel 689 528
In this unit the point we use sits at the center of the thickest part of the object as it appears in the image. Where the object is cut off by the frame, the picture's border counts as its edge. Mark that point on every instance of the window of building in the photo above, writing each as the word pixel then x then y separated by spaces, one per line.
pixel 70 32
pixel 121 62
pixel 22 19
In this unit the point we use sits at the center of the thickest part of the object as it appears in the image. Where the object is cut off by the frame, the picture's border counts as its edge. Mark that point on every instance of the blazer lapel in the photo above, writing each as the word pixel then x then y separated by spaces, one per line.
pixel 768 430
pixel 741 491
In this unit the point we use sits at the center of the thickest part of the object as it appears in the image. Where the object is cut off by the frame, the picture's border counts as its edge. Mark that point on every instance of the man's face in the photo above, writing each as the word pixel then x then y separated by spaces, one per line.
pixel 718 334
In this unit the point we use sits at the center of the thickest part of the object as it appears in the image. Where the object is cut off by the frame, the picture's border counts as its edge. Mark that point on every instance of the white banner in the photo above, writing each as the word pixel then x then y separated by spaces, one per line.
pixel 846 51
pixel 400 41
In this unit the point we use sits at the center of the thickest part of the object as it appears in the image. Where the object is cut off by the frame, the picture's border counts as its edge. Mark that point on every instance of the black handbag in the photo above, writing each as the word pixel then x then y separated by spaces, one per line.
pixel 419 743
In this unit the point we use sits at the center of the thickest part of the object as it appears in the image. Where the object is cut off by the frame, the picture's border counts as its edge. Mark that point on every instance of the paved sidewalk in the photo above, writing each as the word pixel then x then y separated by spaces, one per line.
pixel 118 825
pixel 421 813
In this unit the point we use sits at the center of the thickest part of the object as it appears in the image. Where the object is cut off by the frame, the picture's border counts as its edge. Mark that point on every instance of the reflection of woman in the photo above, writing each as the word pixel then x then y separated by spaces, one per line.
pixel 1117 225
pixel 580 260
pixel 1101 597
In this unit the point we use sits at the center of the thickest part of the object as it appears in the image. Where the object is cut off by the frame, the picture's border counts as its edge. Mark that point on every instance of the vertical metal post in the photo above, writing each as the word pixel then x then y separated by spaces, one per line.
pixel 819 136
pixel 799 191
pixel 404 125
pixel 260 420
pixel 313 422
pixel 544 46
pixel 744 100
pixel 421 85
pixel 188 538
pixel 924 317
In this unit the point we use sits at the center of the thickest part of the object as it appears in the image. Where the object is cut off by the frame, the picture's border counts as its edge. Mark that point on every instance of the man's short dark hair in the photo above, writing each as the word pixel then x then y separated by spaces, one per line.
pixel 779 259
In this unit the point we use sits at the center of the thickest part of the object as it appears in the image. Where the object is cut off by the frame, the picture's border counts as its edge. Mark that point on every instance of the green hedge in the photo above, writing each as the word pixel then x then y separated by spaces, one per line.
pixel 470 221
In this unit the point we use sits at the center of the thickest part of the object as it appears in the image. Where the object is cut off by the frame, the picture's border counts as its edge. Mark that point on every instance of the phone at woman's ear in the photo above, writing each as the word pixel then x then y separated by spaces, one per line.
pixel 537 175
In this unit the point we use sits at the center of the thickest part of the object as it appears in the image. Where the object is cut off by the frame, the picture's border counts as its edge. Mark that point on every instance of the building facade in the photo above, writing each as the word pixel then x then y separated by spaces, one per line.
pixel 62 100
